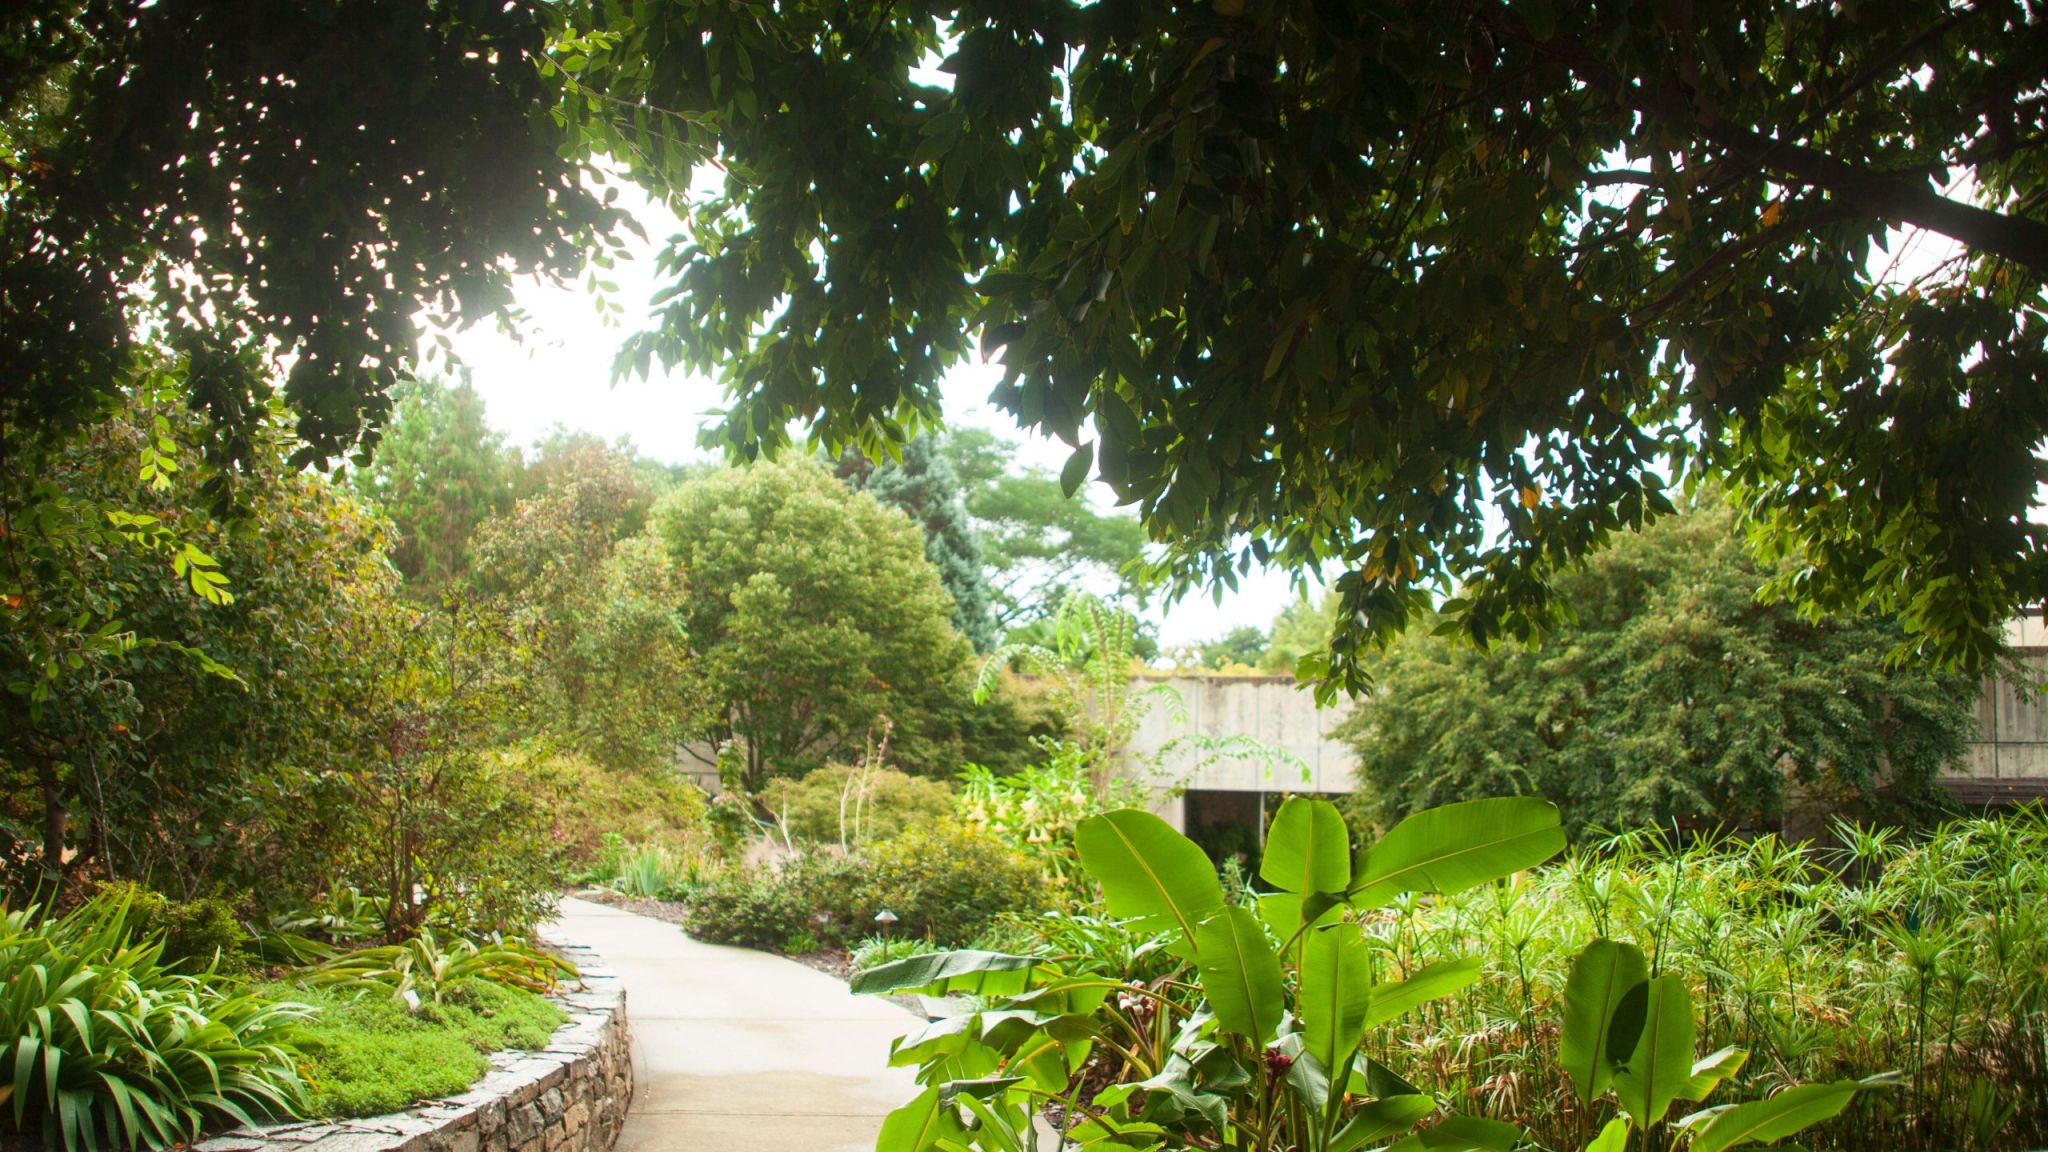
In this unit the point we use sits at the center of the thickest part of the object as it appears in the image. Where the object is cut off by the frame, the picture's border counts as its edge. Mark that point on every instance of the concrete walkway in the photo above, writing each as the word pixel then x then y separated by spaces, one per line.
pixel 738 1051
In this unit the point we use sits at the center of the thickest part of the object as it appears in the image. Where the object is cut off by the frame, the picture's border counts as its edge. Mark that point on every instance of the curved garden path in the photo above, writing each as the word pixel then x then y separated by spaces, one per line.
pixel 740 1051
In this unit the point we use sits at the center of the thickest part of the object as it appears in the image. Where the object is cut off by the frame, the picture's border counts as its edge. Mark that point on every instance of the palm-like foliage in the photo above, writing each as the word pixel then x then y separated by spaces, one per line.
pixel 424 969
pixel 1926 956
pixel 102 1046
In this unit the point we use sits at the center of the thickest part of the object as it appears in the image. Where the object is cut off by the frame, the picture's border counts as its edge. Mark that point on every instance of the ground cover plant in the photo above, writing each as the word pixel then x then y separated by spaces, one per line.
pixel 368 1054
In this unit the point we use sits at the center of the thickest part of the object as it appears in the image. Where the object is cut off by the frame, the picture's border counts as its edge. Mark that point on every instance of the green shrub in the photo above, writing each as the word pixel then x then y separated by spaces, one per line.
pixel 764 908
pixel 949 882
pixel 836 804
pixel 945 883
pixel 591 801
pixel 197 935
pixel 454 838
pixel 104 1045
pixel 368 1055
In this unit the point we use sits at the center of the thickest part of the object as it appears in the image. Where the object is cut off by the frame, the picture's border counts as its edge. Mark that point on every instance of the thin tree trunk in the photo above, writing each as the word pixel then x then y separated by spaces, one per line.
pixel 54 818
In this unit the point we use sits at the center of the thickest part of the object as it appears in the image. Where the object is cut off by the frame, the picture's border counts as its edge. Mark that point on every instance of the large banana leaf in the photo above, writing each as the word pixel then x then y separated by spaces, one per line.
pixel 1600 978
pixel 1150 873
pixel 1708 1072
pixel 1768 1121
pixel 1240 974
pixel 1428 983
pixel 945 973
pixel 1380 1119
pixel 1307 848
pixel 1287 914
pixel 1658 1069
pixel 1334 993
pixel 1462 1134
pixel 919 1124
pixel 1455 847
pixel 1612 1138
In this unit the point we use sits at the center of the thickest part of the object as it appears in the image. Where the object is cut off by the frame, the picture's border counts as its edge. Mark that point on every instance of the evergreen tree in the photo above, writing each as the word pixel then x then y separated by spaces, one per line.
pixel 924 485
pixel 439 472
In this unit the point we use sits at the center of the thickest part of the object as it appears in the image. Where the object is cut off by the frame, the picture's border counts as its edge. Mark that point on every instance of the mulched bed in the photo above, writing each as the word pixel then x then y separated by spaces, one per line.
pixel 670 911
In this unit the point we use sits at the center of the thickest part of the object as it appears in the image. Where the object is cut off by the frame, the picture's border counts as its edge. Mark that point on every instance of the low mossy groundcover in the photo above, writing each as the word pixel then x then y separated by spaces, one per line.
pixel 367 1054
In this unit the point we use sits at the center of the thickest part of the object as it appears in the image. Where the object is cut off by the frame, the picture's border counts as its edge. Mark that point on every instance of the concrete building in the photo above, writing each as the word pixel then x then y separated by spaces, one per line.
pixel 1198 730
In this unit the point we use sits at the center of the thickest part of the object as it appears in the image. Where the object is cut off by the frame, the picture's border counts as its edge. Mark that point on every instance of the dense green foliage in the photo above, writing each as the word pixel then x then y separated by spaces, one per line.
pixel 814 620
pixel 195 936
pixel 1302 629
pixel 1041 543
pixel 291 189
pixel 659 806
pixel 1438 293
pixel 439 472
pixel 1425 991
pixel 106 1046
pixel 1672 696
pixel 923 485
pixel 168 746
pixel 1923 956
pixel 368 1055
pixel 1252 1040
pixel 609 675
pixel 837 804
pixel 947 881
pixel 944 882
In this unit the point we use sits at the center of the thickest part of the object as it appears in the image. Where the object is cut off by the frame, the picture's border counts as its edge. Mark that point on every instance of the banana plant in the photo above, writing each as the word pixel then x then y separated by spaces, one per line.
pixel 1256 1040
pixel 1631 1034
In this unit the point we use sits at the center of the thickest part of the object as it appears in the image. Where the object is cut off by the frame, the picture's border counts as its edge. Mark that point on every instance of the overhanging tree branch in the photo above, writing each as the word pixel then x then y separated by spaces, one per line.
pixel 1904 198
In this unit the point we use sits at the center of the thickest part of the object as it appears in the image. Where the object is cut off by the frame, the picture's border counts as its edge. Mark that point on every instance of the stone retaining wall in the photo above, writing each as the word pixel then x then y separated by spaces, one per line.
pixel 569 1097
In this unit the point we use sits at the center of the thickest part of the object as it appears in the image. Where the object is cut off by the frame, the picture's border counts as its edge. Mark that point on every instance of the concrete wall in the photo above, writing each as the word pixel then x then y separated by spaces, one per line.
pixel 2014 723
pixel 1196 731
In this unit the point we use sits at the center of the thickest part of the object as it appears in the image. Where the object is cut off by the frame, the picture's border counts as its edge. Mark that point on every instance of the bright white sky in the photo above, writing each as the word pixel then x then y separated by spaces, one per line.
pixel 561 374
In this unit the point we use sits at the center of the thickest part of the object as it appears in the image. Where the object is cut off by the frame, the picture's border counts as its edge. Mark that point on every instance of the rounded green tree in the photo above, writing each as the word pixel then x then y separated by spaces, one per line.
pixel 813 615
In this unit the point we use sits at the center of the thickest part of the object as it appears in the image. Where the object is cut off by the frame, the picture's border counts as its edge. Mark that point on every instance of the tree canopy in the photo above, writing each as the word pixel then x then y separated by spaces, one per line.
pixel 1041 544
pixel 813 620
pixel 924 487
pixel 439 472
pixel 1672 696
pixel 1441 295
pixel 1447 294
pixel 275 188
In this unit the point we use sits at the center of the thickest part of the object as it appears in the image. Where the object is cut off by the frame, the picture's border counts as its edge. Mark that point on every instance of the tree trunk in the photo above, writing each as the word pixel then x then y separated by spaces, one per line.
pixel 54 814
